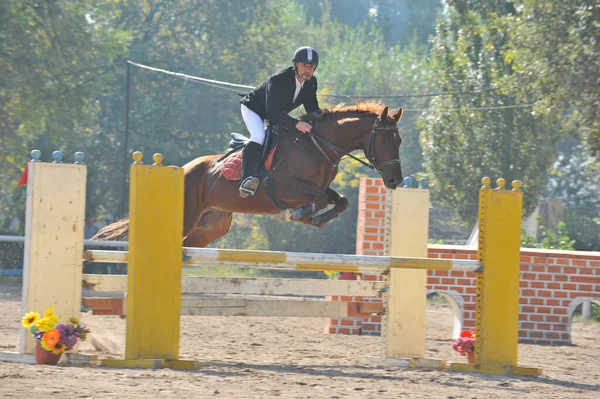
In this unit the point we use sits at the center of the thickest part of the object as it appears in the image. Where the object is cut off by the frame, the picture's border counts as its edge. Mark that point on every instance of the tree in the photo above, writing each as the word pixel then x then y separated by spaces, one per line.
pixel 53 59
pixel 575 180
pixel 463 140
pixel 555 51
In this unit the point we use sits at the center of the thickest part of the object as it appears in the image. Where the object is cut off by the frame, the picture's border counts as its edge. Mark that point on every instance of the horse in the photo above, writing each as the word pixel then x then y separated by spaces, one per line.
pixel 303 167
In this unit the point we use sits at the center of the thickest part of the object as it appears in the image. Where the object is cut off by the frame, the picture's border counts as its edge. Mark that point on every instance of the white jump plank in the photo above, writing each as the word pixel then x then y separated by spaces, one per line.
pixel 248 286
pixel 263 308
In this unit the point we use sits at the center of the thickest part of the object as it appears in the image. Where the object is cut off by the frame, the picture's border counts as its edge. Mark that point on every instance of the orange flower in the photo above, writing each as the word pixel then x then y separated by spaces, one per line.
pixel 51 337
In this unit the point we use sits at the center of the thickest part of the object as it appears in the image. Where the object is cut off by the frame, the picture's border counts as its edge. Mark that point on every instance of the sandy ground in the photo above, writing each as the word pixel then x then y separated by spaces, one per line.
pixel 292 358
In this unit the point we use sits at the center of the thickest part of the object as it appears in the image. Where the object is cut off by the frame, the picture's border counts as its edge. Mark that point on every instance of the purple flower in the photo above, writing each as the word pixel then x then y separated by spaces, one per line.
pixel 67 334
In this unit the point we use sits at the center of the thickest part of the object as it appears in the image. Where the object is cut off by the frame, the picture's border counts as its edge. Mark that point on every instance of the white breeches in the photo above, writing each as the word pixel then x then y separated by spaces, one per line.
pixel 255 125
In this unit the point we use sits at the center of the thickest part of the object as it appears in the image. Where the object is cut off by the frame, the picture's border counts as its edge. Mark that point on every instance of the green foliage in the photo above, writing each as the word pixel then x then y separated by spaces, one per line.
pixel 53 60
pixel 550 240
pixel 574 178
pixel 398 20
pixel 595 312
pixel 554 51
pixel 462 140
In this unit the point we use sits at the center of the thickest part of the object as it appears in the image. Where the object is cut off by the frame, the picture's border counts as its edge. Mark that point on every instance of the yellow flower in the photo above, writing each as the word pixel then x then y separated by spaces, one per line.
pixel 46 347
pixel 56 349
pixel 49 312
pixel 53 319
pixel 30 319
pixel 45 324
pixel 59 348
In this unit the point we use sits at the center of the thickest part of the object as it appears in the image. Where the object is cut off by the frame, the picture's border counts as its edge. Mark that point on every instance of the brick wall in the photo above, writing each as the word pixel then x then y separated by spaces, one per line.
pixel 370 240
pixel 553 283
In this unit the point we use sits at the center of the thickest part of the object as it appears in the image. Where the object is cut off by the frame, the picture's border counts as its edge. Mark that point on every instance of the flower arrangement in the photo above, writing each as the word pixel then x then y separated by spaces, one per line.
pixel 465 344
pixel 54 337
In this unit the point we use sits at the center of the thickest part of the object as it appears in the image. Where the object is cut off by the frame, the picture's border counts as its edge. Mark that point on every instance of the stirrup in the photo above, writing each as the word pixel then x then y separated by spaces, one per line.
pixel 249 186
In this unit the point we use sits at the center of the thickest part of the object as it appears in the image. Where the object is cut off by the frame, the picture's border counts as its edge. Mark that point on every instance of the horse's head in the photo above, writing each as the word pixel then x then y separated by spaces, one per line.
pixel 382 148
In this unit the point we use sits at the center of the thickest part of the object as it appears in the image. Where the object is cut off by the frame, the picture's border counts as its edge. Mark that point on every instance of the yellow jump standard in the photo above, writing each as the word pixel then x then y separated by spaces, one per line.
pixel 154 282
pixel 497 306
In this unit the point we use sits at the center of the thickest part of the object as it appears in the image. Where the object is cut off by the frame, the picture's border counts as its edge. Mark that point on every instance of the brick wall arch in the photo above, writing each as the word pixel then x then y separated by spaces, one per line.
pixel 573 306
pixel 551 281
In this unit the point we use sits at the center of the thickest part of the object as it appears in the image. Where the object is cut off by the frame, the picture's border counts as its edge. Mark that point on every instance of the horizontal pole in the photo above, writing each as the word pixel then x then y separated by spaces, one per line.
pixel 12 239
pixel 115 244
pixel 435 264
pixel 215 257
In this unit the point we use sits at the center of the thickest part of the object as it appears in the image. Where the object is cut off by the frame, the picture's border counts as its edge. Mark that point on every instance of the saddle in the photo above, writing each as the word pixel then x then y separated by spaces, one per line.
pixel 231 164
pixel 232 161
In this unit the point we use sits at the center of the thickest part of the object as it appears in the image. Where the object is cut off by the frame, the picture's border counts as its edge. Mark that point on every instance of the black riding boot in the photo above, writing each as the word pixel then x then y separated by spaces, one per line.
pixel 250 161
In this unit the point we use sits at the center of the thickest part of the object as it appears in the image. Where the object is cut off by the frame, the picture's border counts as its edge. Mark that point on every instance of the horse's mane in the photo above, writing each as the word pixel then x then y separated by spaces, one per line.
pixel 370 108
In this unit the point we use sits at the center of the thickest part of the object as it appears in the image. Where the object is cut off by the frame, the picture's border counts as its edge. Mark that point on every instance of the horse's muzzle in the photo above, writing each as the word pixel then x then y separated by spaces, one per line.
pixel 391 172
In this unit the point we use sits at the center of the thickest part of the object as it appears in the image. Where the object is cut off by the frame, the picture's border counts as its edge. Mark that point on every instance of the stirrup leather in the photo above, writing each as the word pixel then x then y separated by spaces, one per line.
pixel 249 186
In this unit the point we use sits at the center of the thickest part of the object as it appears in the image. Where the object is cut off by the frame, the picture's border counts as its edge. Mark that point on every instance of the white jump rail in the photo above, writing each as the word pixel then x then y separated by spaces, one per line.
pixel 112 244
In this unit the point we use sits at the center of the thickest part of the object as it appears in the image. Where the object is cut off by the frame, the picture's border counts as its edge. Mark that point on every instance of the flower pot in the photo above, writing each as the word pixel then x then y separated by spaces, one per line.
pixel 42 356
pixel 471 357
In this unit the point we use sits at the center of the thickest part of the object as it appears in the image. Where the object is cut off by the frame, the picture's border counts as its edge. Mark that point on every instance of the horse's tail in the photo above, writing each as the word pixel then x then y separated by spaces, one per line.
pixel 117 231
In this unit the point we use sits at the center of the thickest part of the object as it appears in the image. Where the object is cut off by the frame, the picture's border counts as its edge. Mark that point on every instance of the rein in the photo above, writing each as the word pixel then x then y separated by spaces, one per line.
pixel 335 149
pixel 370 150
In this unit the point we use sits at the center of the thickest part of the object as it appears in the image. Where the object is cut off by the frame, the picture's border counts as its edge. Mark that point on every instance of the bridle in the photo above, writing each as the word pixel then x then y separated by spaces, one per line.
pixel 370 149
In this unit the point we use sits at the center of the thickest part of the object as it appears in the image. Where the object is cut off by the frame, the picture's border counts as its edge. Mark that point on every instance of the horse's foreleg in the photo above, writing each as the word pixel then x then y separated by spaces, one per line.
pixel 212 225
pixel 340 202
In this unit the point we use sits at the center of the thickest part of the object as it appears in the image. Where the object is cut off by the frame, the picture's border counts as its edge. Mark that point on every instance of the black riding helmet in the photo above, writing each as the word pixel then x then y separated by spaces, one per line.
pixel 306 55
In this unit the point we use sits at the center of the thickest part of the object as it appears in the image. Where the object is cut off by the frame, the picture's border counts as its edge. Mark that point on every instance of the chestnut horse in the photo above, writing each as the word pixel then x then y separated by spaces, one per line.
pixel 303 167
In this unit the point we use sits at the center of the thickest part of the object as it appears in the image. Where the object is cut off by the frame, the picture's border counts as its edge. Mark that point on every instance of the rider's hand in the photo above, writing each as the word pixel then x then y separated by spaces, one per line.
pixel 303 127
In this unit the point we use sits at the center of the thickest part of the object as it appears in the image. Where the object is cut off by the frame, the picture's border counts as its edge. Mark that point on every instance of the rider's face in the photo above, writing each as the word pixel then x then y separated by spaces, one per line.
pixel 305 71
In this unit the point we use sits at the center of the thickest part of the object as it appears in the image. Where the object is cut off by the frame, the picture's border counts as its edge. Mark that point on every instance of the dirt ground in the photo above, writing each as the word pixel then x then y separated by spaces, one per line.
pixel 292 358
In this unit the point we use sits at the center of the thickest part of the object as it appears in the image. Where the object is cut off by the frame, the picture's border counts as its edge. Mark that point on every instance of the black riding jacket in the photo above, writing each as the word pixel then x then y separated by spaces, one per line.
pixel 272 100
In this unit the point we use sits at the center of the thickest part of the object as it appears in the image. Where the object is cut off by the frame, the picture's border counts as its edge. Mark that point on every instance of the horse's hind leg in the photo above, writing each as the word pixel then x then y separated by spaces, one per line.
pixel 212 225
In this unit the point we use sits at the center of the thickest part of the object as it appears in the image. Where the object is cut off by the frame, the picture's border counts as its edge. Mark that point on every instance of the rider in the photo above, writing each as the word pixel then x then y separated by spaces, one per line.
pixel 283 92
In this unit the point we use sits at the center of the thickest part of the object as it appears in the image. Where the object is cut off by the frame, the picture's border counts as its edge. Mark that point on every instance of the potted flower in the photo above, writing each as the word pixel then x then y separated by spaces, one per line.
pixel 53 339
pixel 465 345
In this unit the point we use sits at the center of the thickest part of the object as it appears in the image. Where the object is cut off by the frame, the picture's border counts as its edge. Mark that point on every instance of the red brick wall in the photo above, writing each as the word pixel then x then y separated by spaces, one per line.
pixel 370 239
pixel 553 283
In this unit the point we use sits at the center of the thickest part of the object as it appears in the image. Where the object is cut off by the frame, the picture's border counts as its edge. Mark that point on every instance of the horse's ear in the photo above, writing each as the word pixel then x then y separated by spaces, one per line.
pixel 398 115
pixel 384 114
